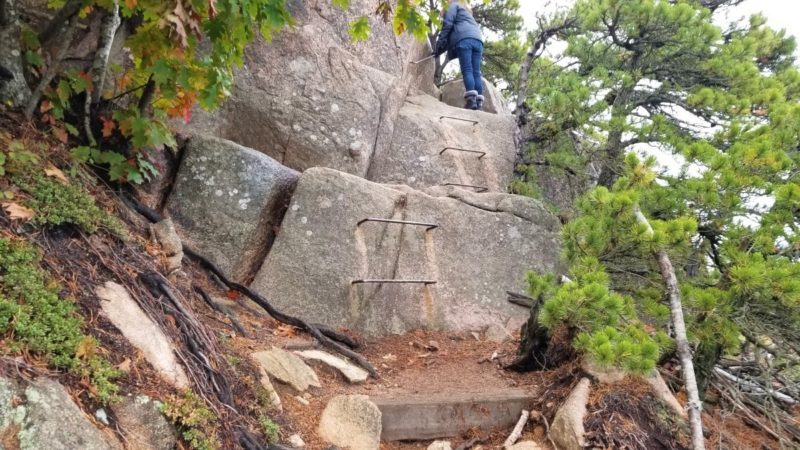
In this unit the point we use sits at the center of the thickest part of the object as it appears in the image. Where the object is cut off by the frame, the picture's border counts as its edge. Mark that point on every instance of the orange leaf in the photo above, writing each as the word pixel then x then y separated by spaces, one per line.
pixel 124 81
pixel 108 126
pixel 55 172
pixel 285 331
pixel 46 105
pixel 231 294
pixel 131 3
pixel 17 211
pixel 124 366
pixel 61 134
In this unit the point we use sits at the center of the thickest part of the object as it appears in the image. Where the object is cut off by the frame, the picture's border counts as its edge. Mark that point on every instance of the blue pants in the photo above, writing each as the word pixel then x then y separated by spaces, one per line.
pixel 470 54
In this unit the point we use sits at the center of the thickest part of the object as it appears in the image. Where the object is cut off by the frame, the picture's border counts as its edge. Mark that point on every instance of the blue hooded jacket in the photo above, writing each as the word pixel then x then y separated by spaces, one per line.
pixel 458 24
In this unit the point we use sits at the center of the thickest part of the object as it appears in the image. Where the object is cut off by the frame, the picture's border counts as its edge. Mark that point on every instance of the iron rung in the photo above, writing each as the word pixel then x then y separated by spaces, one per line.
pixel 429 226
pixel 466 150
pixel 473 122
pixel 393 281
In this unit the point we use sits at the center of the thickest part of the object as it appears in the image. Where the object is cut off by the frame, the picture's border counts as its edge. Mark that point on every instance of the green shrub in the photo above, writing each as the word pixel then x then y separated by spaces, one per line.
pixel 271 429
pixel 34 319
pixel 194 420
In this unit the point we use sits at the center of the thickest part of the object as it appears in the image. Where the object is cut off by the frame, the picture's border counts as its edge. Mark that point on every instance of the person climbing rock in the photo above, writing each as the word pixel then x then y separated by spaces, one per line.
pixel 461 36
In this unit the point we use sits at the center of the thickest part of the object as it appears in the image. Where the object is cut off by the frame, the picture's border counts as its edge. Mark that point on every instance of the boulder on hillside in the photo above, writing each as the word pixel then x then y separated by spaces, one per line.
pixel 227 201
pixel 144 334
pixel 42 415
pixel 287 368
pixel 143 424
pixel 425 150
pixel 567 430
pixel 452 93
pixel 313 97
pixel 352 422
pixel 475 255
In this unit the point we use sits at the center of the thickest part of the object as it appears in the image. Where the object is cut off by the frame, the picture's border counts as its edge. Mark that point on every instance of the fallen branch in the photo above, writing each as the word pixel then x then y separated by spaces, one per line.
pixel 752 386
pixel 517 432
pixel 679 325
pixel 520 300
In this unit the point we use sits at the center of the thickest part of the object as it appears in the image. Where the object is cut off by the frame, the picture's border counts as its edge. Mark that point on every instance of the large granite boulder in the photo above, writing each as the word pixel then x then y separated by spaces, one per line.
pixel 424 151
pixel 42 415
pixel 483 246
pixel 452 93
pixel 227 201
pixel 313 97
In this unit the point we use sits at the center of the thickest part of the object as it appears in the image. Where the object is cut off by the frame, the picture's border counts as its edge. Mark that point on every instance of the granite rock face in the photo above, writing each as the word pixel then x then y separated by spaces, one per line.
pixel 482 246
pixel 227 201
pixel 452 93
pixel 42 415
pixel 436 144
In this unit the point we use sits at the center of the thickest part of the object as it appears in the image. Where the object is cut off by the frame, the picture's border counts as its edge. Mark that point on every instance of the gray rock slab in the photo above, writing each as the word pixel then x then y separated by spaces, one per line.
pixel 353 373
pixel 424 149
pixel 434 416
pixel 312 97
pixel 475 255
pixel 143 424
pixel 567 429
pixel 352 422
pixel 287 368
pixel 227 201
pixel 42 415
pixel 440 445
pixel 452 93
pixel 141 332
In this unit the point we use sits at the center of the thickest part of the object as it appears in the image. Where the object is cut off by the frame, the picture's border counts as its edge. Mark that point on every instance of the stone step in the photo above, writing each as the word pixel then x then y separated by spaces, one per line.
pixel 421 417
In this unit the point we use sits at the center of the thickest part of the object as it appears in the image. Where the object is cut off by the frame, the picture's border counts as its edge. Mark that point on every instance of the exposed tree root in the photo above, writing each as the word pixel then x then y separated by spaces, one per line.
pixel 325 336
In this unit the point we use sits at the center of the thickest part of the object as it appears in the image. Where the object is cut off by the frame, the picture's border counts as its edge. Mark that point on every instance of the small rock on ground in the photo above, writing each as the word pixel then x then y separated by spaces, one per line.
pixel 440 445
pixel 142 332
pixel 274 398
pixel 351 421
pixel 567 430
pixel 287 368
pixel 143 424
pixel 350 371
pixel 296 441
pixel 525 445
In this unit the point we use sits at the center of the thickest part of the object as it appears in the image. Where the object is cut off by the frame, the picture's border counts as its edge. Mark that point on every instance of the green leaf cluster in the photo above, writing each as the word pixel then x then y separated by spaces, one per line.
pixel 196 422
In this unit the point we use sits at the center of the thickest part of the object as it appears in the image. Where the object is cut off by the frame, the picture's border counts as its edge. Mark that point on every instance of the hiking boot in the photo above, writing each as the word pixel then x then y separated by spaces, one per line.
pixel 472 99
pixel 479 101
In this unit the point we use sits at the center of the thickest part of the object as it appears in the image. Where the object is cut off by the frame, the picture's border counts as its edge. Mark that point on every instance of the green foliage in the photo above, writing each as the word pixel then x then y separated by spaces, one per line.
pixel 359 29
pixel 271 429
pixel 34 319
pixel 53 201
pixel 196 422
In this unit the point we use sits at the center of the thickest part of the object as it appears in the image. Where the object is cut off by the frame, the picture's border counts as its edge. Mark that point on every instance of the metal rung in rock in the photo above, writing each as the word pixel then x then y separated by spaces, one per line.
pixel 393 281
pixel 429 226
pixel 473 122
pixel 478 189
pixel 466 150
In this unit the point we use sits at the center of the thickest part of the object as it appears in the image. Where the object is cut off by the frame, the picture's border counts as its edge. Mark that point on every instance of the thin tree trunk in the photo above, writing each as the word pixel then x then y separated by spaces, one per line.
pixel 109 29
pixel 55 64
pixel 684 350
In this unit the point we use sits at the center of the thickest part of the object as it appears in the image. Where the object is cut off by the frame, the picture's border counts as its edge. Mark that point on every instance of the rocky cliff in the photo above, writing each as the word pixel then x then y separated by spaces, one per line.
pixel 400 219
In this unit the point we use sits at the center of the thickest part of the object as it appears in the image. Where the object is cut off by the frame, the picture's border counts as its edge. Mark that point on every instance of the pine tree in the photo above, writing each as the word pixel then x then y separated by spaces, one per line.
pixel 723 110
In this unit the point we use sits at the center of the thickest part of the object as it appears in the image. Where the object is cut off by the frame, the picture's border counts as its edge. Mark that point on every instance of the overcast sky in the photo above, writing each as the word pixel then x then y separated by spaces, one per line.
pixel 781 14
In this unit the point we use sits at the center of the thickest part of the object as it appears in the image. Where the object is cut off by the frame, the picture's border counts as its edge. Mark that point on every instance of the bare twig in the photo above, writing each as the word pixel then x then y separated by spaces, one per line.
pixel 517 432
